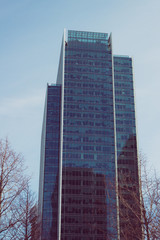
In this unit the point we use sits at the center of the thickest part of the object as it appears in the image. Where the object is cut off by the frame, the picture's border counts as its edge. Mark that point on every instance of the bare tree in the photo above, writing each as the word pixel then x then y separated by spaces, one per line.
pixel 18 209
pixel 130 214
pixel 27 226
pixel 12 183
pixel 150 203
pixel 35 223
pixel 140 216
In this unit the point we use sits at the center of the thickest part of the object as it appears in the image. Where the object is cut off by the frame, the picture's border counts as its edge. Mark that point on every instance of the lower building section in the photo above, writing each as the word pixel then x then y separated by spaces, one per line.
pixel 84 209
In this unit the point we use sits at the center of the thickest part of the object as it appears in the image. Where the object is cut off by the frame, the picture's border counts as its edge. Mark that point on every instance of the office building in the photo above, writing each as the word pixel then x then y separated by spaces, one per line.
pixel 88 141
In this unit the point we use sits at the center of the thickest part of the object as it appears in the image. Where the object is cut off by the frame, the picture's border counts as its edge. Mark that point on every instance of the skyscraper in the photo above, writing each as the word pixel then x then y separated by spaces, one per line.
pixel 88 141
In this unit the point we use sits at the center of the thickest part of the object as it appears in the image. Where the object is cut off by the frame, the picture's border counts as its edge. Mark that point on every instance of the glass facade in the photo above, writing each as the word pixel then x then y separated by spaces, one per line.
pixel 127 159
pixel 49 174
pixel 89 130
pixel 88 166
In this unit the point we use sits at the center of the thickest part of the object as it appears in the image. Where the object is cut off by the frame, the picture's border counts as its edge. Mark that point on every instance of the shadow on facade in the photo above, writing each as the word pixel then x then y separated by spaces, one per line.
pixel 84 205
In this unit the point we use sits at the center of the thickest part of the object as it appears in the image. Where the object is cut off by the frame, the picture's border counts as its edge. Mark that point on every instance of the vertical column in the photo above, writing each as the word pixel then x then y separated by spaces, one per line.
pixel 61 75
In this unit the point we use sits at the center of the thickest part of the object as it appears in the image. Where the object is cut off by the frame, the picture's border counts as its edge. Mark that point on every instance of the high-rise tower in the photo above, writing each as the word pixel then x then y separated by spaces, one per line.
pixel 88 141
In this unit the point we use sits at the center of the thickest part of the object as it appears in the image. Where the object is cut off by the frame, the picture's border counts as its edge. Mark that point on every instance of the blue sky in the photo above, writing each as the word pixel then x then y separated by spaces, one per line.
pixel 30 40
